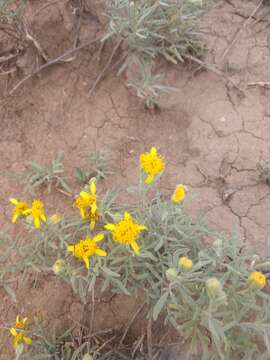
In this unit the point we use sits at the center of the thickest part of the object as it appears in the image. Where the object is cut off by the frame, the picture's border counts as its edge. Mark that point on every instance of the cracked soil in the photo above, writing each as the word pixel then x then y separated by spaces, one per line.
pixel 211 133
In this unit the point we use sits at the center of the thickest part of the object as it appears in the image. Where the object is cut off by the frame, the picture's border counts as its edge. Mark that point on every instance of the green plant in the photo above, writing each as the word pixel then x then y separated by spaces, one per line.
pixel 148 29
pixel 50 175
pixel 11 10
pixel 148 85
pixel 212 294
pixel 224 322
pixel 97 163
pixel 9 268
pixel 52 347
pixel 167 28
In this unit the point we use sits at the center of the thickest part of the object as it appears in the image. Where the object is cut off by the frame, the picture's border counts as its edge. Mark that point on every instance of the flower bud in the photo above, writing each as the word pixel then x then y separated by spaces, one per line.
pixel 87 357
pixel 256 281
pixel 215 291
pixel 171 274
pixel 59 266
pixel 55 218
pixel 218 247
pixel 185 263
pixel 179 194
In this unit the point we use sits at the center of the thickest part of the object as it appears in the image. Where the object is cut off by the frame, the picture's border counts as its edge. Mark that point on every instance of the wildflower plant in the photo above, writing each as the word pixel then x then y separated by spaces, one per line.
pixel 219 305
pixel 213 295
pixel 50 175
pixel 150 29
pixel 97 165
pixel 32 341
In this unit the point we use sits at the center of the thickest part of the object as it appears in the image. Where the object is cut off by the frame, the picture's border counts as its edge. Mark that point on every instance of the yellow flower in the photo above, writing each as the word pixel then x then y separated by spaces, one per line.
pixel 257 280
pixel 152 164
pixel 19 336
pixel 55 218
pixel 21 324
pixel 185 263
pixel 93 218
pixel 126 232
pixel 179 194
pixel 36 212
pixel 87 204
pixel 87 248
pixel 20 207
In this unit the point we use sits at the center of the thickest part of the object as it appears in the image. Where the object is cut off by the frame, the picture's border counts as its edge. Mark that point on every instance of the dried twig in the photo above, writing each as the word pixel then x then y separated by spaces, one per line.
pixel 106 343
pixel 92 311
pixel 35 42
pixel 8 57
pixel 136 347
pixel 213 69
pixel 130 323
pixel 260 83
pixel 52 62
pixel 78 26
pixel 149 339
pixel 47 5
pixel 106 67
pixel 239 31
pixel 7 72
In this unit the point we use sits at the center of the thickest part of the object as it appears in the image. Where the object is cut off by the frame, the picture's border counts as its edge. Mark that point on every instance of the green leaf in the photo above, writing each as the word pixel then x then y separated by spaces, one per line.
pixel 109 272
pixel 120 286
pixel 10 292
pixel 19 351
pixel 160 305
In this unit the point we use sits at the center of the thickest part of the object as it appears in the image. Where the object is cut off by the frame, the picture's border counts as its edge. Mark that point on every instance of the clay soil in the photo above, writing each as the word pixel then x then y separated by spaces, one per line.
pixel 211 133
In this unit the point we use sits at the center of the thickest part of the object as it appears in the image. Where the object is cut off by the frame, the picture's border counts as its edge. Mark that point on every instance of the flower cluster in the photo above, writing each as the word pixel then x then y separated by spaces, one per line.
pixel 87 204
pixel 36 211
pixel 18 332
pixel 126 231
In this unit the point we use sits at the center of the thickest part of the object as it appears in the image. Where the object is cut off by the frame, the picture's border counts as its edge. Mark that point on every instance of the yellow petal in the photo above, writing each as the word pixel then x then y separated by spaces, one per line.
pixel 25 320
pixel 14 218
pixel 94 208
pixel 110 227
pixel 86 260
pixel 13 201
pixel 153 151
pixel 27 340
pixel 135 247
pixel 149 179
pixel 98 237
pixel 82 213
pixel 84 194
pixel 93 188
pixel 71 248
pixel 37 222
pixel 17 320
pixel 100 252
pixel 92 224
pixel 27 212
pixel 43 217
pixel 13 331
pixel 15 342
pixel 127 216
pixel 142 227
